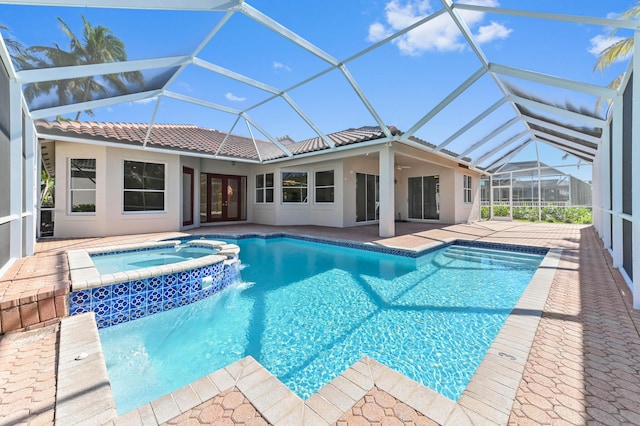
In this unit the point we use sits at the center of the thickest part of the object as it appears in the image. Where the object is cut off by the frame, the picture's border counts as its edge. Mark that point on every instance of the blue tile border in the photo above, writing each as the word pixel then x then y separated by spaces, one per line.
pixel 125 301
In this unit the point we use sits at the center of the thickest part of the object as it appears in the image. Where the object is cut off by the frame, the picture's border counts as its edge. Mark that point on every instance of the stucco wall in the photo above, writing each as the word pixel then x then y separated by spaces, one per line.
pixel 109 218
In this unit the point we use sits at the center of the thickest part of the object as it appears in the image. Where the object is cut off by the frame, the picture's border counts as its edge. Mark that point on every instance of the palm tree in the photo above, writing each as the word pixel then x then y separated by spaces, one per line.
pixel 16 50
pixel 98 45
pixel 619 49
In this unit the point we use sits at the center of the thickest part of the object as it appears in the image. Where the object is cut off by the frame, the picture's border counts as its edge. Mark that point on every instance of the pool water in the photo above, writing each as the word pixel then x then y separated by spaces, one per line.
pixel 308 311
pixel 132 260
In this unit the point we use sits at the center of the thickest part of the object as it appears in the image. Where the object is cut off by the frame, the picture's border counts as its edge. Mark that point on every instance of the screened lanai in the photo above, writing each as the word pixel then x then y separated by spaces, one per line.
pixel 483 83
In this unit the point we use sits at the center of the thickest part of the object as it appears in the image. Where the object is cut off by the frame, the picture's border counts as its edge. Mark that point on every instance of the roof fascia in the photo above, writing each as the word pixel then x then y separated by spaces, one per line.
pixel 210 5
pixel 604 22
pixel 99 103
pixel 79 71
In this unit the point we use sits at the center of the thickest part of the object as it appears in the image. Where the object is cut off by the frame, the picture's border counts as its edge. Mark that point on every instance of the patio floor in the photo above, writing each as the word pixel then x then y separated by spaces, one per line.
pixel 583 367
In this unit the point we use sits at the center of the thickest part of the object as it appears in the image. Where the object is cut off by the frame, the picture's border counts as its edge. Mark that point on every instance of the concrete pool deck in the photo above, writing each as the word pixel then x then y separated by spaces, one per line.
pixel 582 367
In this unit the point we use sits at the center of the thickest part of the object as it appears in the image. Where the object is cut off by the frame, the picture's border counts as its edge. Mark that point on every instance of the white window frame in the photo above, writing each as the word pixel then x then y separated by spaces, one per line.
pixel 316 187
pixel 71 190
pixel 303 200
pixel 164 191
pixel 265 188
pixel 467 185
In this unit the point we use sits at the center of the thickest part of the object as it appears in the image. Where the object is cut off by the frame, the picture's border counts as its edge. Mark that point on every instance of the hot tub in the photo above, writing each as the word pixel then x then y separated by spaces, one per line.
pixel 144 279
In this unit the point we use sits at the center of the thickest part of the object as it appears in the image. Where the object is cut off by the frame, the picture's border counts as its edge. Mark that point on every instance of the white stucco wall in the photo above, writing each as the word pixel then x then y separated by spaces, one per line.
pixel 109 218
pixel 467 212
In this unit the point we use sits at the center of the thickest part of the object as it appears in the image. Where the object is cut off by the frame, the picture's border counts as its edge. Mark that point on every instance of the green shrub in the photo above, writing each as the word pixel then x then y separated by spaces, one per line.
pixel 579 215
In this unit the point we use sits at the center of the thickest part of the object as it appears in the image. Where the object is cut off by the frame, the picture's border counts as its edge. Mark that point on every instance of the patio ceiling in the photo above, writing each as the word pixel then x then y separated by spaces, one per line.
pixel 483 133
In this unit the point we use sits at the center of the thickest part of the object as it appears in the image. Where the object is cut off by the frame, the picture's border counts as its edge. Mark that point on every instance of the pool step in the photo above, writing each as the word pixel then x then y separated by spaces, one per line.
pixel 481 255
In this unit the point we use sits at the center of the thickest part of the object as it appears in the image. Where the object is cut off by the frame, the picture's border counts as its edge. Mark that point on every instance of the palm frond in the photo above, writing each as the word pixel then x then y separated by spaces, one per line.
pixel 616 51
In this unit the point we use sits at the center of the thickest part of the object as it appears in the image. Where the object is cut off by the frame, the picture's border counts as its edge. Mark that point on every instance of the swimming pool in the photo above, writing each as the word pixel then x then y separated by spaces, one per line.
pixel 315 309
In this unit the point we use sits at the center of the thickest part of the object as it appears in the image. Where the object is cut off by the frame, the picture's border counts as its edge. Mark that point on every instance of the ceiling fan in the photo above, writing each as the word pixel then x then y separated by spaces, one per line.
pixel 400 167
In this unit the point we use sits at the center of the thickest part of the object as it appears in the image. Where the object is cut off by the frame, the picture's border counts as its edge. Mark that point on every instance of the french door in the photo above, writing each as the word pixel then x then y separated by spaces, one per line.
pixel 222 197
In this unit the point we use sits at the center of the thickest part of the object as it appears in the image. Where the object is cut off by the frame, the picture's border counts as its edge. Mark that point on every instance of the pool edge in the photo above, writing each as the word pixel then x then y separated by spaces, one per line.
pixel 487 399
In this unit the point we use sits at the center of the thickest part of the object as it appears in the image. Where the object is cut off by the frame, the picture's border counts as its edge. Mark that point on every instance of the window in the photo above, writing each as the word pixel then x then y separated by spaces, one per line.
pixel 143 186
pixel 324 187
pixel 82 185
pixel 264 188
pixel 294 187
pixel 467 188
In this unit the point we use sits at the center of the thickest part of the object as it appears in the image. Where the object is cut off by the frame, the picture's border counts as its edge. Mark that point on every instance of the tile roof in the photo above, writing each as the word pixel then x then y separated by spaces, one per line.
pixel 190 138
pixel 182 137
pixel 193 139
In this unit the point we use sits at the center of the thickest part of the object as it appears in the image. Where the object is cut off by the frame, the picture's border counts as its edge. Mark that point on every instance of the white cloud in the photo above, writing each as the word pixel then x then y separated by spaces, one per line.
pixel 377 32
pixel 439 34
pixel 493 31
pixel 280 66
pixel 601 42
pixel 233 98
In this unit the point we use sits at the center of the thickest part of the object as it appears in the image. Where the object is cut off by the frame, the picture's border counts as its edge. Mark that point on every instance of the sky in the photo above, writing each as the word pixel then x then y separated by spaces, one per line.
pixel 402 80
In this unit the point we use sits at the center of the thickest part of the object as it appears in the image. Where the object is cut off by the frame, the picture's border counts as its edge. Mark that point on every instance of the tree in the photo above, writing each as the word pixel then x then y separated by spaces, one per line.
pixel 98 45
pixel 16 50
pixel 619 49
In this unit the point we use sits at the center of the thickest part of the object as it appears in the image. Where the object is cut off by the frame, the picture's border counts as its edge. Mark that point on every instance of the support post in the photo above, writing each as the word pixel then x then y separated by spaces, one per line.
pixel 616 183
pixel 15 166
pixel 386 209
pixel 635 177
pixel 604 166
pixel 32 187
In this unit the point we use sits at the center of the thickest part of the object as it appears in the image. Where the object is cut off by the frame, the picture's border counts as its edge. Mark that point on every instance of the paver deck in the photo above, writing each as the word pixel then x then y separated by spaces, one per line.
pixel 583 366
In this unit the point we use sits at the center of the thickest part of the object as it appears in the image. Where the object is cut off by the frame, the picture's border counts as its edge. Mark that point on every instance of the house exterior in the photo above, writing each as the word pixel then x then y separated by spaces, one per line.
pixel 119 178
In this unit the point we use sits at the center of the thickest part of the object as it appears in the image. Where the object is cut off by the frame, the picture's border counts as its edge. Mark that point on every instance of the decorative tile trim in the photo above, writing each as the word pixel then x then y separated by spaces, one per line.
pixel 122 297
pixel 126 301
